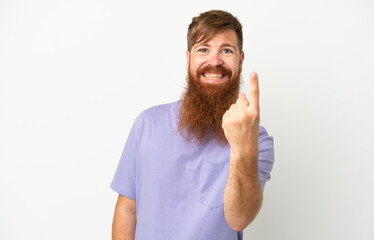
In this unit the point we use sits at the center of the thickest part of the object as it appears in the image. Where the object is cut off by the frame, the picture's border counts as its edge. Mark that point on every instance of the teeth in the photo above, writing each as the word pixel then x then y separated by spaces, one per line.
pixel 213 75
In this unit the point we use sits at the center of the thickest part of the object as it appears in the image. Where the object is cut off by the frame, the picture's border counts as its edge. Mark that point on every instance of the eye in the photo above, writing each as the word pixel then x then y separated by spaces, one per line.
pixel 227 50
pixel 202 50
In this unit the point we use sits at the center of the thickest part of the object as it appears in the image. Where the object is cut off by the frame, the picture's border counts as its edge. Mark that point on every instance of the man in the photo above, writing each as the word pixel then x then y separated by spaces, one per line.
pixel 196 168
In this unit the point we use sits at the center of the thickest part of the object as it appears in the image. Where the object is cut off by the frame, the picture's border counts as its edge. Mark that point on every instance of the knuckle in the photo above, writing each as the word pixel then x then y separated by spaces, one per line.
pixel 255 92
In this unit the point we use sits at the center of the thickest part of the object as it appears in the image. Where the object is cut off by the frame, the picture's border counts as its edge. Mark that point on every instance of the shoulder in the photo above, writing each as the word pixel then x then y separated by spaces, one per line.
pixel 159 109
pixel 161 112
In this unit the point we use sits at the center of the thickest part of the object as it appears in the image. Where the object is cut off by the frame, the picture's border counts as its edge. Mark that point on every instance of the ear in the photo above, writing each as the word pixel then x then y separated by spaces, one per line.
pixel 188 59
pixel 241 61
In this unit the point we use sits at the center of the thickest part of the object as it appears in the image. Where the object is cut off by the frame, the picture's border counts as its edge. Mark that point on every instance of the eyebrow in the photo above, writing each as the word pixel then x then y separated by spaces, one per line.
pixel 228 45
pixel 221 46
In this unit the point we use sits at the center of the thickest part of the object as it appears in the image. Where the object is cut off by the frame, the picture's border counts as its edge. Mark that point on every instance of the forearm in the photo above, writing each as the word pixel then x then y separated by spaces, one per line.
pixel 243 194
pixel 124 224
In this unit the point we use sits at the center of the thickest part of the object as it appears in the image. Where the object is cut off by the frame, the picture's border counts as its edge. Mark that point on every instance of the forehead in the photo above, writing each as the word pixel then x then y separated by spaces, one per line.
pixel 224 37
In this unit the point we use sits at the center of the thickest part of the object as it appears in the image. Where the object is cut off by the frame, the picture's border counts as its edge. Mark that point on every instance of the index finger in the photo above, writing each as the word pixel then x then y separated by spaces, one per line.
pixel 254 92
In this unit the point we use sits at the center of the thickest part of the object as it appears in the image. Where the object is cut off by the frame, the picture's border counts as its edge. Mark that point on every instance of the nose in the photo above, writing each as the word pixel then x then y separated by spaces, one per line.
pixel 215 60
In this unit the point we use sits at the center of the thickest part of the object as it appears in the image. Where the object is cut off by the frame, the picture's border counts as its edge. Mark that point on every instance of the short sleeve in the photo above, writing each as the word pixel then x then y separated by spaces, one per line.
pixel 265 156
pixel 124 177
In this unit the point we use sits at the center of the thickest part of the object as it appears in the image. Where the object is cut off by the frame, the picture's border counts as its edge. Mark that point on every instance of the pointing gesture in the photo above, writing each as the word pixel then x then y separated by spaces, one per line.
pixel 254 92
pixel 241 121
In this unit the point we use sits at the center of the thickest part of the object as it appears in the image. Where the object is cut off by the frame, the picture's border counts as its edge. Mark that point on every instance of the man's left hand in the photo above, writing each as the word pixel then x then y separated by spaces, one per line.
pixel 241 122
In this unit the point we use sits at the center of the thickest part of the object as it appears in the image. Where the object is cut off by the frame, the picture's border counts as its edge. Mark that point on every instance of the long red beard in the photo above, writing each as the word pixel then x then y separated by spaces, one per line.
pixel 204 105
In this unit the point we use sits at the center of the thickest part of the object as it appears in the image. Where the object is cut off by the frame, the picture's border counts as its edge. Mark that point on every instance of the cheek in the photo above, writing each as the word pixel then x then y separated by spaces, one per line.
pixel 195 66
pixel 196 62
pixel 235 67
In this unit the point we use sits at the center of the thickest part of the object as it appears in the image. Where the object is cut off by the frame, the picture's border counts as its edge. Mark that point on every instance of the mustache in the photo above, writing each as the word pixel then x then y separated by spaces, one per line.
pixel 217 69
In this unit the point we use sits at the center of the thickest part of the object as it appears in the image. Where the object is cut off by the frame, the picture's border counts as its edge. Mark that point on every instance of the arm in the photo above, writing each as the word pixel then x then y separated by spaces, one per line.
pixel 243 194
pixel 124 221
pixel 242 197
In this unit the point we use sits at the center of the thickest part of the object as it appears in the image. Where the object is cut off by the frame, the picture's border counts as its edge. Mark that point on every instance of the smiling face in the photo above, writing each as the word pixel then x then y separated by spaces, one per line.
pixel 213 83
pixel 216 61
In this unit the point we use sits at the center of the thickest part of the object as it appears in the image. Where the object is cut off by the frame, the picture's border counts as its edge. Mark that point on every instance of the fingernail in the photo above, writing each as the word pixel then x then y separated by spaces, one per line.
pixel 253 75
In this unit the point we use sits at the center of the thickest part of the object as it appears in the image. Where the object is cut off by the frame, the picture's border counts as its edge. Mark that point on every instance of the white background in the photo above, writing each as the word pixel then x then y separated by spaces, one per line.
pixel 75 74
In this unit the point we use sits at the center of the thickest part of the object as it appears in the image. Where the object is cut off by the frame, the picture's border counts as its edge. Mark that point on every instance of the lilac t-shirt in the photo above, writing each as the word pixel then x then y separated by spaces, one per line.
pixel 178 186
